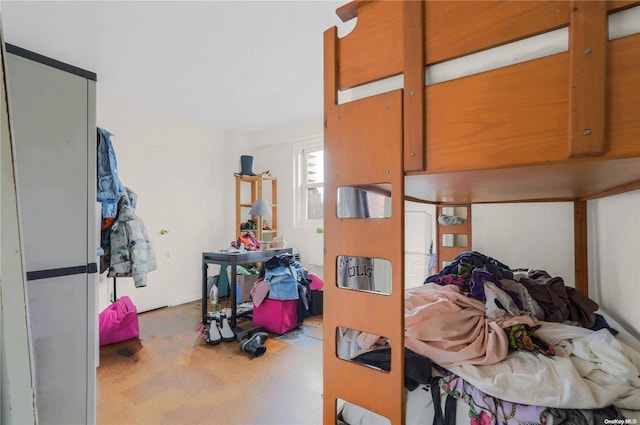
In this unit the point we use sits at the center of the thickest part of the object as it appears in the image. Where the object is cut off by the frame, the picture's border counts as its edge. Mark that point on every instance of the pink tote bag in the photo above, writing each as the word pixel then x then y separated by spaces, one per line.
pixel 118 322
pixel 276 316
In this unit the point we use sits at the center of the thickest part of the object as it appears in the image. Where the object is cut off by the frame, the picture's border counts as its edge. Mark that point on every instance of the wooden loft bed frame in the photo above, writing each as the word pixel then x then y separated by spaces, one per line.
pixel 564 127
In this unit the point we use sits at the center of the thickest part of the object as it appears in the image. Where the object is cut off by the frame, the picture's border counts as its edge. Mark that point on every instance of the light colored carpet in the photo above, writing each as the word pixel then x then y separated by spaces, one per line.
pixel 316 333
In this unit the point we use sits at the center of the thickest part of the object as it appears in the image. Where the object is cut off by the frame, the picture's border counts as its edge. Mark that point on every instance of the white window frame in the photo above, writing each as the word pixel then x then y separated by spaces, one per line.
pixel 301 186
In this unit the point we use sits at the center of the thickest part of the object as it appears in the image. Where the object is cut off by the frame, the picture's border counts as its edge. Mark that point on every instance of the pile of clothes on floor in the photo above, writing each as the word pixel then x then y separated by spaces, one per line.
pixel 282 296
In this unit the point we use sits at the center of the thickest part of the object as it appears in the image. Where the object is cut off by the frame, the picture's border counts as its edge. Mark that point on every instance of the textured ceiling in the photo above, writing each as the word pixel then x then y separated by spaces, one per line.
pixel 233 65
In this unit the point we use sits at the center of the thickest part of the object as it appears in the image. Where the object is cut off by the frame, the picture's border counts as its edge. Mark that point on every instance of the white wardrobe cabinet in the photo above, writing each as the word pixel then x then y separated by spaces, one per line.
pixel 52 106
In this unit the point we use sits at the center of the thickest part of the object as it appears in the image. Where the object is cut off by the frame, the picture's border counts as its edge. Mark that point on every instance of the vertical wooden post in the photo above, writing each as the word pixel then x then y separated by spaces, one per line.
pixel 580 246
pixel 587 53
pixel 414 90
pixel 329 399
pixel 238 207
pixel 274 208
pixel 259 181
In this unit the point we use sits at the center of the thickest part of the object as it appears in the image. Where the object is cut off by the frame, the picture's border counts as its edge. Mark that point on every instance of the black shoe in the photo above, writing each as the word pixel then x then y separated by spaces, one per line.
pixel 250 332
pixel 253 344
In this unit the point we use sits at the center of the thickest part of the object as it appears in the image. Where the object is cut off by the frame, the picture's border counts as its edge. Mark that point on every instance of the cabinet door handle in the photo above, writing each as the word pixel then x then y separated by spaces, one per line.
pixel 164 232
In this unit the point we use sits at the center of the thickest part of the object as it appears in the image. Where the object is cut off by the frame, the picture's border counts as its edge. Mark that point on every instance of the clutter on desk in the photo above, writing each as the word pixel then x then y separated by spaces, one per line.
pixel 248 241
pixel 279 242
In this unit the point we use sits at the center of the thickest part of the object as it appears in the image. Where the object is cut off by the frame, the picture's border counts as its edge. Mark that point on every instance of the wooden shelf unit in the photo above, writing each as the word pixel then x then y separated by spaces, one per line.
pixel 256 186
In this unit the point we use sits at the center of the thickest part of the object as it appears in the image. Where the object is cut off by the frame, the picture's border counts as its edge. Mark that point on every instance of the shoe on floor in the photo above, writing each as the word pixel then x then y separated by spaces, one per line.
pixel 213 336
pixel 227 334
pixel 254 344
pixel 250 332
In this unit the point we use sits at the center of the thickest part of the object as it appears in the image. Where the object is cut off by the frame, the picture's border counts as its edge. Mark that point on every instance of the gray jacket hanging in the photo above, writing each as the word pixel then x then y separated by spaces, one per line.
pixel 132 252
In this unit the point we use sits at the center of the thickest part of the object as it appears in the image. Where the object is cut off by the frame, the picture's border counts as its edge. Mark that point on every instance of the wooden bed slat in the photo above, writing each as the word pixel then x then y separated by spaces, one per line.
pixel 623 97
pixel 457 28
pixel 587 54
pixel 616 5
pixel 623 188
pixel 512 115
pixel 519 113
pixel 565 181
pixel 373 50
pixel 350 10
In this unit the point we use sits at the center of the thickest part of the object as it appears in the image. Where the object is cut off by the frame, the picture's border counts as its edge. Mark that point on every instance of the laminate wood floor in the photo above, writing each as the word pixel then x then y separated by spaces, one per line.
pixel 171 376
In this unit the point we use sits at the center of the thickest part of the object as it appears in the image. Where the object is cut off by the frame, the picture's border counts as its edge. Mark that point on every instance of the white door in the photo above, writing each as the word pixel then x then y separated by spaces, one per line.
pixel 144 162
pixel 176 169
pixel 144 168
pixel 419 222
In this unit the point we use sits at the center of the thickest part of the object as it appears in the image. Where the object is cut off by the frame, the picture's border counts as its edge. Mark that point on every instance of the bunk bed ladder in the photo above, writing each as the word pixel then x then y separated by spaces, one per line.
pixel 363 151
pixel 453 239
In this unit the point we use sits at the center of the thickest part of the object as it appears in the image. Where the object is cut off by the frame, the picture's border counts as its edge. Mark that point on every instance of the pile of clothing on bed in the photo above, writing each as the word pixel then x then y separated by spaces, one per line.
pixel 516 346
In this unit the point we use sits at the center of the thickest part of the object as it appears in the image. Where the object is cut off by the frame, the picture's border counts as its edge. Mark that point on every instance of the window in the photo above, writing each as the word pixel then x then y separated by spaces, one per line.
pixel 310 195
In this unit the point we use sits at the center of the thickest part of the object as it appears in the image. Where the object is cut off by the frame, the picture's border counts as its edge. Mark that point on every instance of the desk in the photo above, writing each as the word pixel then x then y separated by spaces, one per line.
pixel 232 259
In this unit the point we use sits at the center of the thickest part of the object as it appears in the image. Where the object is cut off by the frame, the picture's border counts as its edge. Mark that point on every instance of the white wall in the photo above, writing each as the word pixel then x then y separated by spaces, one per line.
pixel 237 143
pixel 614 244
pixel 527 235
pixel 274 150
pixel 179 170
pixel 420 225
pixel 183 175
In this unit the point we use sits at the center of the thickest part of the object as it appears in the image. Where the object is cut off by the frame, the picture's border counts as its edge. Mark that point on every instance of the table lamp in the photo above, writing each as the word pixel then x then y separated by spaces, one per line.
pixel 260 208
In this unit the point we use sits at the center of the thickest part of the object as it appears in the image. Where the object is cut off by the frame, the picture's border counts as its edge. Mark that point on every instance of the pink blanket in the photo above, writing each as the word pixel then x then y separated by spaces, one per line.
pixel 451 329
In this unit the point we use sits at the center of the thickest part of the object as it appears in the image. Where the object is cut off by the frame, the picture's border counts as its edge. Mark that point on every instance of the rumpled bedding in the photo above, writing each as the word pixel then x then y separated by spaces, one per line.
pixel 590 370
pixel 451 329
pixel 462 320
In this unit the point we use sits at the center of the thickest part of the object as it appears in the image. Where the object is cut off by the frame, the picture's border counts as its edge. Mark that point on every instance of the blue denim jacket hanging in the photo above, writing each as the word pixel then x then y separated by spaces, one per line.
pixel 109 185
pixel 283 282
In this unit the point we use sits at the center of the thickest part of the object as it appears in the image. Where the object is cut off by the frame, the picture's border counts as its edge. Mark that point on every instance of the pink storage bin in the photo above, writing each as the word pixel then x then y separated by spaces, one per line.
pixel 276 316
pixel 118 322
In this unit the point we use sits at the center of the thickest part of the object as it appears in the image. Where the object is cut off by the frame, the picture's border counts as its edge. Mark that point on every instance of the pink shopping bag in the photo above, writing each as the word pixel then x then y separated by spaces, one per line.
pixel 118 322
pixel 276 316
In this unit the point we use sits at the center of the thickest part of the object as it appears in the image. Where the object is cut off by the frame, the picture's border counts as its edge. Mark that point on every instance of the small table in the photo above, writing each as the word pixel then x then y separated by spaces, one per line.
pixel 232 259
